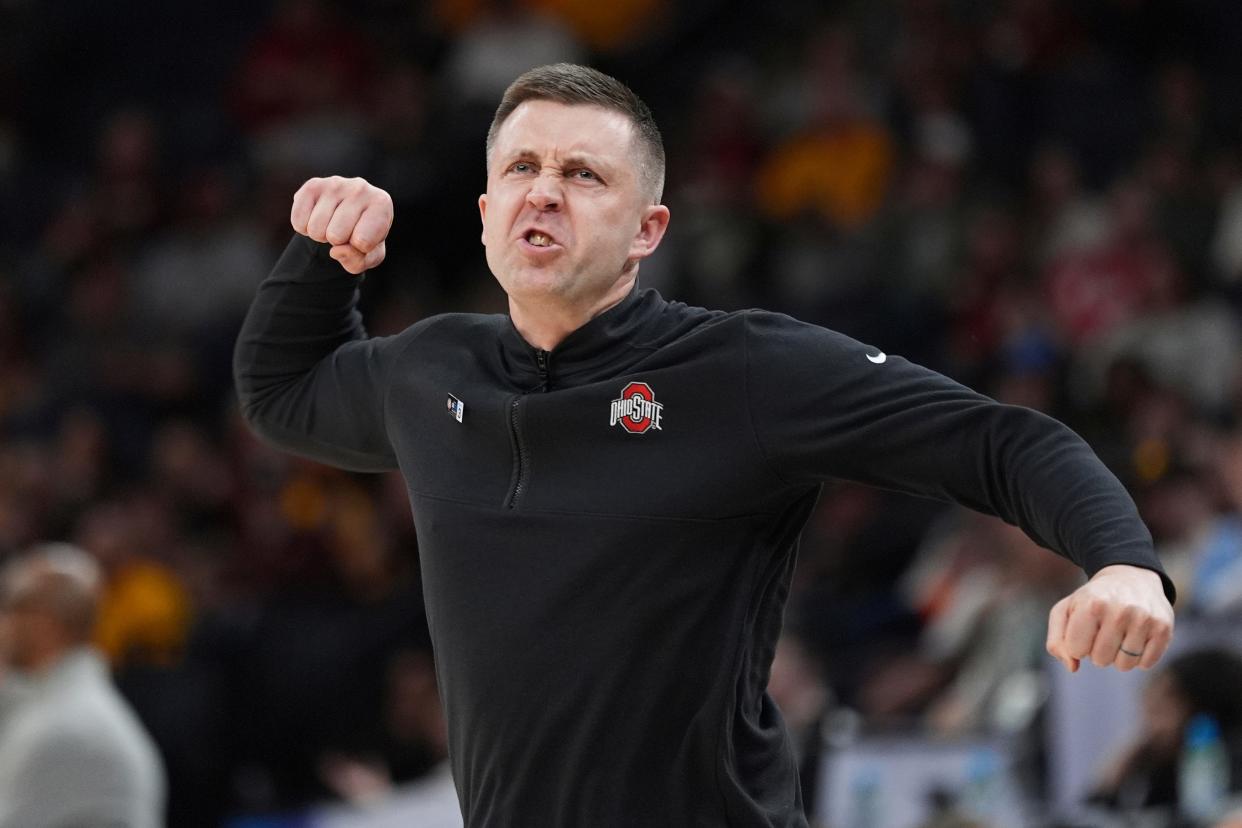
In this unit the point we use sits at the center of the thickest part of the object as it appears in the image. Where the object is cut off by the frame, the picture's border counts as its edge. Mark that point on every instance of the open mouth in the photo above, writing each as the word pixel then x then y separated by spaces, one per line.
pixel 537 238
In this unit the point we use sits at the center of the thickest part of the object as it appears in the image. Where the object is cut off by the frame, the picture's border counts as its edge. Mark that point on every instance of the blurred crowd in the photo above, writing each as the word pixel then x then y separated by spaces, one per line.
pixel 1042 199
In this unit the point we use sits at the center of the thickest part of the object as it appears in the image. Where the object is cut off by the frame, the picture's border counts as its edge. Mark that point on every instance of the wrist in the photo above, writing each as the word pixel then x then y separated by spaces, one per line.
pixel 1128 569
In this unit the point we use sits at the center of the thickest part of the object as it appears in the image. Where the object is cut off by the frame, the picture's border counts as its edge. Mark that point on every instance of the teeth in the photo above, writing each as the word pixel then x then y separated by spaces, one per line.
pixel 540 240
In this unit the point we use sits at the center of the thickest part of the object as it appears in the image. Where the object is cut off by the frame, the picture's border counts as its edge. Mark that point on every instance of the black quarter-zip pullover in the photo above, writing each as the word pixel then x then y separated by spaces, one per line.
pixel 607 531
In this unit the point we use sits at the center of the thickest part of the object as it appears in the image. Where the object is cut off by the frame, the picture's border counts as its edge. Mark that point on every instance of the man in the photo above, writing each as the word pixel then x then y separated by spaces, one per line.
pixel 609 487
pixel 71 752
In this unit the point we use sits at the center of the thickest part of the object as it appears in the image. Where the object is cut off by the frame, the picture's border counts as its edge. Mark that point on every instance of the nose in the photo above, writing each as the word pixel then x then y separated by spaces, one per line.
pixel 545 192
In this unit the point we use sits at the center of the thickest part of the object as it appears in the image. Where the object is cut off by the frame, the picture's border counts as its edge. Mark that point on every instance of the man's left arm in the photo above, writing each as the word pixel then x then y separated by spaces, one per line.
pixel 833 407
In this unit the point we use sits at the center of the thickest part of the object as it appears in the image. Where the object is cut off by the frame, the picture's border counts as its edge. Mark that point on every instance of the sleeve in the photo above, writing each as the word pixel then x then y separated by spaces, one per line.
pixel 824 405
pixel 308 378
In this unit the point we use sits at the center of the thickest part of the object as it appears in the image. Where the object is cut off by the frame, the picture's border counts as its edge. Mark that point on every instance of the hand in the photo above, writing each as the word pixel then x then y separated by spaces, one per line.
pixel 1120 611
pixel 348 213
pixel 355 780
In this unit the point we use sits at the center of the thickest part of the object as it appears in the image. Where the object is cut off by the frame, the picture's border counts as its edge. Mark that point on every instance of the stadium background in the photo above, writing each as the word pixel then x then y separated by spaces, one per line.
pixel 1042 199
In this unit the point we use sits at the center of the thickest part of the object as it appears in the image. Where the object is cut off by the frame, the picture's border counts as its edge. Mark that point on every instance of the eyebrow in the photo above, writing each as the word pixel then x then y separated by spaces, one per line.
pixel 570 161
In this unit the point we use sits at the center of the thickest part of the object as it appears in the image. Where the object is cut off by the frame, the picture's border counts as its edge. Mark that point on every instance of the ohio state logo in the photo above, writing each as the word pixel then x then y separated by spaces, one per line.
pixel 636 410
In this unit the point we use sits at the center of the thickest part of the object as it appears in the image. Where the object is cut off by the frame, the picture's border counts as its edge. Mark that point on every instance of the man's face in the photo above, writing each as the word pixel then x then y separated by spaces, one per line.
pixel 21 625
pixel 566 213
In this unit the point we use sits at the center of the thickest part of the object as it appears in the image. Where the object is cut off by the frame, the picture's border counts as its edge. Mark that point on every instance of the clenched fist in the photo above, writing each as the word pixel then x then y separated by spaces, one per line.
pixel 1119 618
pixel 348 213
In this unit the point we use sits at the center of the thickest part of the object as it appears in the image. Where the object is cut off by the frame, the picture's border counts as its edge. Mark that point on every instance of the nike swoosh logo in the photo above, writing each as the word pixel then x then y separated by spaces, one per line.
pixel 879 358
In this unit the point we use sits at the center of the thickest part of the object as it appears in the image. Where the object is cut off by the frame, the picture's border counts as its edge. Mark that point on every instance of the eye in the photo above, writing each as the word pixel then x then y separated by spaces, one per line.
pixel 583 174
pixel 521 167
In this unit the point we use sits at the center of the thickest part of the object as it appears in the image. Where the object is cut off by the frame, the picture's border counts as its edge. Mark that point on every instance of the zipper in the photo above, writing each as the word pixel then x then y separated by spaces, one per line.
pixel 521 459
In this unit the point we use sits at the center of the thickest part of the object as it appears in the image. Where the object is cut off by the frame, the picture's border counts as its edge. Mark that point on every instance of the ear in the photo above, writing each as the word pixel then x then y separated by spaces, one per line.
pixel 483 218
pixel 650 231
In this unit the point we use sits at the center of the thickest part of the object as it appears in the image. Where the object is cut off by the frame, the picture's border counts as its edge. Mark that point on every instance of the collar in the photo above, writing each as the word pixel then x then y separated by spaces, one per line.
pixel 605 346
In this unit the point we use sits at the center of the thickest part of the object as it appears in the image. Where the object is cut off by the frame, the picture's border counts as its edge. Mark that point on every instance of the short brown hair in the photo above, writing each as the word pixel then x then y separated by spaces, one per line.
pixel 571 84
pixel 58 579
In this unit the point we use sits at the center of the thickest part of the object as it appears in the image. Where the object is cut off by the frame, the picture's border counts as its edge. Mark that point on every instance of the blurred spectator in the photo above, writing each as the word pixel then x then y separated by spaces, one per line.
pixel 298 91
pixel 983 591
pixel 609 28
pixel 1064 217
pixel 928 213
pixel 314 657
pixel 845 602
pixel 1211 553
pixel 398 123
pixel 129 197
pixel 1184 207
pixel 144 611
pixel 308 60
pixel 719 235
pixel 14 366
pixel 200 274
pixel 1191 348
pixel 505 40
pixel 989 300
pixel 71 751
pixel 1226 249
pixel 415 739
pixel 1145 774
pixel 1096 289
pixel 839 165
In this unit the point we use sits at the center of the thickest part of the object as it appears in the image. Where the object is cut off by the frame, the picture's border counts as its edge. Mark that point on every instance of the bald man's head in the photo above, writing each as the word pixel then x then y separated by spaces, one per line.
pixel 49 597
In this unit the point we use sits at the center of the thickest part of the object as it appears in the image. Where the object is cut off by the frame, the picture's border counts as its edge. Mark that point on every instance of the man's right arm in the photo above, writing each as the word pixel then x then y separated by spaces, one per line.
pixel 308 378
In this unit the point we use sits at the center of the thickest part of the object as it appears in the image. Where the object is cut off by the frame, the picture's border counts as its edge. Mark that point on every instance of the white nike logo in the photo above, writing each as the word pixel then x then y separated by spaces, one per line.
pixel 879 358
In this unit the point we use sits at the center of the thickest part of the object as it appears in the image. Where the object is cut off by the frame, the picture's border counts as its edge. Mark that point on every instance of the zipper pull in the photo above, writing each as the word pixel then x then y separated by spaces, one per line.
pixel 541 363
